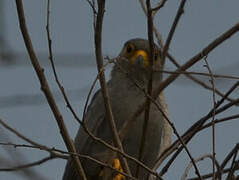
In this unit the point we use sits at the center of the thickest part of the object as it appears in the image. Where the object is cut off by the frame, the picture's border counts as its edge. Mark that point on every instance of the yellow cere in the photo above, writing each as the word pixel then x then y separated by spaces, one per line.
pixel 138 53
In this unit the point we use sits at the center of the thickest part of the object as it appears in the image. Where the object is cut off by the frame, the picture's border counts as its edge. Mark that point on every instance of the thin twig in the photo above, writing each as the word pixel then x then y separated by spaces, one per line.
pixel 213 116
pixel 229 156
pixel 172 30
pixel 206 176
pixel 24 166
pixel 157 34
pixel 233 117
pixel 224 163
pixel 92 5
pixel 159 6
pixel 233 165
pixel 91 90
pixel 21 136
pixel 17 133
pixel 197 160
pixel 172 59
pixel 187 136
pixel 222 76
pixel 55 152
pixel 104 90
pixel 59 154
pixel 25 173
pixel 45 87
pixel 150 84
pixel 51 58
pixel 17 157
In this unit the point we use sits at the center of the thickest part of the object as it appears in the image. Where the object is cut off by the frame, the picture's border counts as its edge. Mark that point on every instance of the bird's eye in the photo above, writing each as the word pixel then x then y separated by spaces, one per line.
pixel 129 48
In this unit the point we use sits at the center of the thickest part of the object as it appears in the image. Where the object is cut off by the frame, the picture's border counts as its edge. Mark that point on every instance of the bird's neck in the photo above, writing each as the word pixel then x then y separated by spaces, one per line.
pixel 130 77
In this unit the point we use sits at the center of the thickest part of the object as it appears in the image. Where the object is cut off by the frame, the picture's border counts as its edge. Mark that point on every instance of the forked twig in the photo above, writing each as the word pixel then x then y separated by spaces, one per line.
pixel 172 30
pixel 197 160
pixel 232 153
pixel 172 59
pixel 187 136
pixel 193 78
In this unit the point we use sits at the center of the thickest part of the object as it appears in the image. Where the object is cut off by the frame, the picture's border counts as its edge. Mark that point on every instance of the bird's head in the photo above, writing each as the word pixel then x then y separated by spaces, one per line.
pixel 137 52
pixel 135 59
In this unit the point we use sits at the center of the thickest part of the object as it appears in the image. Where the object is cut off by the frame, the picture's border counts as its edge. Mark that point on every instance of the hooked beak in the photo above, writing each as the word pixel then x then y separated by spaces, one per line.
pixel 140 61
pixel 140 57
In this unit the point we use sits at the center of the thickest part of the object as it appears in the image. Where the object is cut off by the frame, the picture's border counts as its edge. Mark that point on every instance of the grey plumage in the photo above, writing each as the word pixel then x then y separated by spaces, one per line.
pixel 125 98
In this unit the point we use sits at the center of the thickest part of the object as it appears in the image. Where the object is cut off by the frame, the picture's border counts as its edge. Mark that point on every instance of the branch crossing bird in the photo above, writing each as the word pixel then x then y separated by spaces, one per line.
pixel 130 72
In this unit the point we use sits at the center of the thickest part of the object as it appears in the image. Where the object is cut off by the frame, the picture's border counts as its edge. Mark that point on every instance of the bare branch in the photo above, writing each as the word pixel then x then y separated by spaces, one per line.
pixel 150 83
pixel 45 88
pixel 104 90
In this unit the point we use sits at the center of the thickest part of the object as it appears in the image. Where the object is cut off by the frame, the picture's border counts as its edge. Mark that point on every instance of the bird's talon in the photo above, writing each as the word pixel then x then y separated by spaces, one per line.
pixel 117 165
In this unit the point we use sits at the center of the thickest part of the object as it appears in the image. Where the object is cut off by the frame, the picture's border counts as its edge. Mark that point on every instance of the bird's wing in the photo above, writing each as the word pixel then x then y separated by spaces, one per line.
pixel 93 118
pixel 94 121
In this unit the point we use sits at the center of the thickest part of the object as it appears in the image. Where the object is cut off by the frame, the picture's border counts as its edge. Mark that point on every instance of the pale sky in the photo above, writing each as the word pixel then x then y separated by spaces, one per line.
pixel 72 32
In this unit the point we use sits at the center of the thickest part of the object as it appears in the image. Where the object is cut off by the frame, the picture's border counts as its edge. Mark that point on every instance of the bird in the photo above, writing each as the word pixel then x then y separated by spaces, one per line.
pixel 129 78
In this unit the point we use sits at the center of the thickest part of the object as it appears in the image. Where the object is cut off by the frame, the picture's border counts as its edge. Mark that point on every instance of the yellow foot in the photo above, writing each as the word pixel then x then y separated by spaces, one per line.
pixel 117 165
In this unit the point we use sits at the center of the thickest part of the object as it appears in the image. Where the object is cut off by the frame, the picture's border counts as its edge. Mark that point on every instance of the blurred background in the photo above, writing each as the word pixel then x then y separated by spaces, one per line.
pixel 23 105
